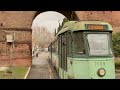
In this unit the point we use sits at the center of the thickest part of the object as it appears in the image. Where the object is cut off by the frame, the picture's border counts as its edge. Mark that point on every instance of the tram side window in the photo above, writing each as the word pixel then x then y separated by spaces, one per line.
pixel 79 47
pixel 69 42
pixel 55 47
pixel 49 48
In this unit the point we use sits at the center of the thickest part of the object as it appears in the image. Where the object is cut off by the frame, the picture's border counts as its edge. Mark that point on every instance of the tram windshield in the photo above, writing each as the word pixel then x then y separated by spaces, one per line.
pixel 99 44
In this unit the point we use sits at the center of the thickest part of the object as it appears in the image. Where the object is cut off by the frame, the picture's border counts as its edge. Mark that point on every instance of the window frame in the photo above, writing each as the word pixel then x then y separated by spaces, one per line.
pixel 70 44
pixel 79 55
pixel 109 43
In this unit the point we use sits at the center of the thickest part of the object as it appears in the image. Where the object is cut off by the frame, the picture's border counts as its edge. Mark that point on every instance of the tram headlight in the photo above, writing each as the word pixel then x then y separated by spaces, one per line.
pixel 101 72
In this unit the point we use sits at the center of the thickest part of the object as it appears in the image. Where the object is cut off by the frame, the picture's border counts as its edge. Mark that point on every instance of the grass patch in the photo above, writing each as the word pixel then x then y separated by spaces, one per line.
pixel 17 73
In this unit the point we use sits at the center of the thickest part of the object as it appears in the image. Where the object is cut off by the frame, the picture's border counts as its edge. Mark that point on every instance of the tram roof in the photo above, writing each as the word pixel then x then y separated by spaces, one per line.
pixel 80 25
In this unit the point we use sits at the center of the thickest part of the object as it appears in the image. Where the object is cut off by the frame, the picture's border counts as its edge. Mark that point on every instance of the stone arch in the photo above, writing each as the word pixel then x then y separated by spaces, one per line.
pixel 67 14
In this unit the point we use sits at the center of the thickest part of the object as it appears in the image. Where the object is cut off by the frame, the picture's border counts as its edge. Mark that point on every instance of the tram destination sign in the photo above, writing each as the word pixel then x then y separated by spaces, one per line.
pixel 95 27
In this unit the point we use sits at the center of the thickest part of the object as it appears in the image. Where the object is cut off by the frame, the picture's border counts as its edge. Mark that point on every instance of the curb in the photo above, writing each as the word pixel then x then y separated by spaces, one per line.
pixel 27 73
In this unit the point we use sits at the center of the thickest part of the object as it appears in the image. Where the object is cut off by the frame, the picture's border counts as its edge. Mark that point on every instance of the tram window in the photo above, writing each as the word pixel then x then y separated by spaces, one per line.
pixel 98 45
pixel 69 46
pixel 48 48
pixel 79 47
pixel 56 46
pixel 53 47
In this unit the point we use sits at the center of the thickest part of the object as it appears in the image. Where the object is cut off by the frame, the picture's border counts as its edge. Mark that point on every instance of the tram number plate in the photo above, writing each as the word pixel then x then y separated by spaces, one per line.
pixel 99 63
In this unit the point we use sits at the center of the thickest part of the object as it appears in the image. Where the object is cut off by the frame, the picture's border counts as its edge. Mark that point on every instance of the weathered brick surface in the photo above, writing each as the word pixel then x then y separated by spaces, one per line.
pixel 19 62
pixel 23 19
pixel 21 55
pixel 16 19
pixel 112 17
pixel 18 24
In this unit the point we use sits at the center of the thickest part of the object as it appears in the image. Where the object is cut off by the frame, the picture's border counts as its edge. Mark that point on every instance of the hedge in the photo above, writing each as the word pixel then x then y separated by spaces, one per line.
pixel 116 44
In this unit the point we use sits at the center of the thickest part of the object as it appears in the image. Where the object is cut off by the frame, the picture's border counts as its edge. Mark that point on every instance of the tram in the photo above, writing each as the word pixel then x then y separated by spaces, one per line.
pixel 83 50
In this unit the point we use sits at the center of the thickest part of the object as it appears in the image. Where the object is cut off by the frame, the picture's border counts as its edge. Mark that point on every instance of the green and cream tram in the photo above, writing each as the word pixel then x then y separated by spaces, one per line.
pixel 83 50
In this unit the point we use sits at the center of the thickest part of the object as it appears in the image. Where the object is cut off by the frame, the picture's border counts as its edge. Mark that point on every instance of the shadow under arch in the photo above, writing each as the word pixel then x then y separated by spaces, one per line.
pixel 67 14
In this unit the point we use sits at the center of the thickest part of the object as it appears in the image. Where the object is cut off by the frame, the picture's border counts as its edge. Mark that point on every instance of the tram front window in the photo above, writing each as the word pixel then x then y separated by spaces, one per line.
pixel 98 44
pixel 79 47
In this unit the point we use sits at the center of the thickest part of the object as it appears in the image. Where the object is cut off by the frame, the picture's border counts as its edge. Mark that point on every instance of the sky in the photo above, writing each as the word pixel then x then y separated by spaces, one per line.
pixel 49 19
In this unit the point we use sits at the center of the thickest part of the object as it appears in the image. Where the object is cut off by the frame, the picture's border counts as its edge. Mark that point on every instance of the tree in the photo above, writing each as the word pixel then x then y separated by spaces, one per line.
pixel 63 22
pixel 42 37
pixel 59 27
pixel 55 33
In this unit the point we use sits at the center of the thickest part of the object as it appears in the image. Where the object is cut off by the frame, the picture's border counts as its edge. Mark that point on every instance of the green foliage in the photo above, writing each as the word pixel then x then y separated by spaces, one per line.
pixel 64 21
pixel 116 44
pixel 60 26
pixel 55 33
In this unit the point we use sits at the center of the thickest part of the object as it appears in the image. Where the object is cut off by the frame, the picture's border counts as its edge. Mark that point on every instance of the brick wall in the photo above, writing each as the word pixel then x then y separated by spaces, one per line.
pixel 21 48
pixel 18 24
pixel 16 19
pixel 112 17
